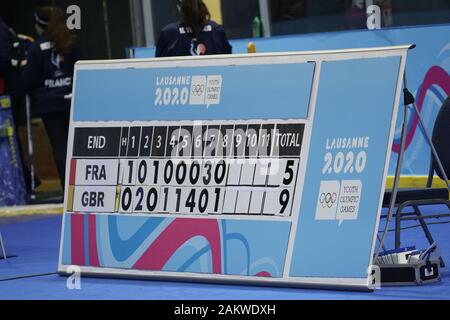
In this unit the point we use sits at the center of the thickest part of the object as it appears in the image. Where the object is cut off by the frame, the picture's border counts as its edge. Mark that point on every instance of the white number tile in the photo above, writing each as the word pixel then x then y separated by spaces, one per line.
pixel 277 172
pixel 247 173
pixel 187 181
pixel 234 173
pixel 162 172
pixel 151 172
pixel 171 200
pixel 208 169
pixel 183 198
pixel 272 205
pixel 256 202
pixel 141 198
pixel 261 173
pixel 127 199
pixel 212 200
pixel 145 208
pixel 243 201
pixel 124 172
pixel 142 172
pixel 229 201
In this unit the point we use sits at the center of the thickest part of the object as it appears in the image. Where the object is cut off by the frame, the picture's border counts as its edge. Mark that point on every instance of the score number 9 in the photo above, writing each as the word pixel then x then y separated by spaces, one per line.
pixel 347 163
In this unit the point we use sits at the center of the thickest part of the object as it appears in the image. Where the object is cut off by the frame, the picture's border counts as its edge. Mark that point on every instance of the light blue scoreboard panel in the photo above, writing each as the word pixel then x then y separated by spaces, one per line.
pixel 266 168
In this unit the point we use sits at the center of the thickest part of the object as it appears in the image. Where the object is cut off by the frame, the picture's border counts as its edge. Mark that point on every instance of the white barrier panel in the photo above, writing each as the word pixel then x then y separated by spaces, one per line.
pixel 266 168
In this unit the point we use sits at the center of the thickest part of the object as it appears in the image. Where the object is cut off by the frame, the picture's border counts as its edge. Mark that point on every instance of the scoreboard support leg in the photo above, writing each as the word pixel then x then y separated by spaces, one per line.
pixel 2 246
pixel 408 101
pixel 398 170
pixel 32 195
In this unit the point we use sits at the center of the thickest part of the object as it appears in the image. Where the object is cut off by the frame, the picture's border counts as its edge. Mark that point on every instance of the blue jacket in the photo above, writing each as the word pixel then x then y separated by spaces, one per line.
pixel 176 40
pixel 5 48
pixel 48 76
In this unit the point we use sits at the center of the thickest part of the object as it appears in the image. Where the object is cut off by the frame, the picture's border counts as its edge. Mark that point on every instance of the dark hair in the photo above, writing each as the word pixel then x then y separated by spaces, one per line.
pixel 194 14
pixel 52 20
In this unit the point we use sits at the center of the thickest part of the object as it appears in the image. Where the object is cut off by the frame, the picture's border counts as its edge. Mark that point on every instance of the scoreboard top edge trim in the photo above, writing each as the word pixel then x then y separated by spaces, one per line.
pixel 313 55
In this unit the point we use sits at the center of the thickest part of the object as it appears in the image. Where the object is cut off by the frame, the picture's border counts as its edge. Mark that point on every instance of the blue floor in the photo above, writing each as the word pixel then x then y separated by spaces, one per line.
pixel 36 245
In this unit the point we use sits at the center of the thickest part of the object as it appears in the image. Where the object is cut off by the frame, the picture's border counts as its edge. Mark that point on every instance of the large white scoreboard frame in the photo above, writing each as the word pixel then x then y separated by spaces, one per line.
pixel 325 278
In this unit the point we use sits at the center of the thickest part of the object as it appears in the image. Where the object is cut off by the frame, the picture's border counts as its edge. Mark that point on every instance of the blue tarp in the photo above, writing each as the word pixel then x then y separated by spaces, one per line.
pixel 12 185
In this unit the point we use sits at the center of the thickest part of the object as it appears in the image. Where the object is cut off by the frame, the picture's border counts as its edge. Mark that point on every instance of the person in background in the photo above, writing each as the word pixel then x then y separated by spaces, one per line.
pixel 356 15
pixel 48 78
pixel 5 52
pixel 195 33
pixel 13 49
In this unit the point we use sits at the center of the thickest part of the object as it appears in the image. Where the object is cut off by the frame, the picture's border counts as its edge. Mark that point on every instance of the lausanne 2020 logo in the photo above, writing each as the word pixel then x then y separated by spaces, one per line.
pixel 200 90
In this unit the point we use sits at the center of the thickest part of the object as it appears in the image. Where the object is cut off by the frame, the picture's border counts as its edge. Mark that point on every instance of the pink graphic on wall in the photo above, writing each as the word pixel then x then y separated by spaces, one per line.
pixel 435 76
pixel 174 236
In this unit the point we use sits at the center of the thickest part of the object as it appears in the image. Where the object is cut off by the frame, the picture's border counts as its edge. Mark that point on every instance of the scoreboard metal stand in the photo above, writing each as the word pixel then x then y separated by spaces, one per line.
pixel 409 100
pixel 2 246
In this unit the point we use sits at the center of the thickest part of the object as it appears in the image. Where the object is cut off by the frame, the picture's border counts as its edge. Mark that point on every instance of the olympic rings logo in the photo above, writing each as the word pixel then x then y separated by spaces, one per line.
pixel 197 89
pixel 327 199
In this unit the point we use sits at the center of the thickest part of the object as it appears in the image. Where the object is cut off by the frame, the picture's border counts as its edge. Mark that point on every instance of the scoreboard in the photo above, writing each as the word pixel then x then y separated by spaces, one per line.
pixel 210 168
pixel 266 168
